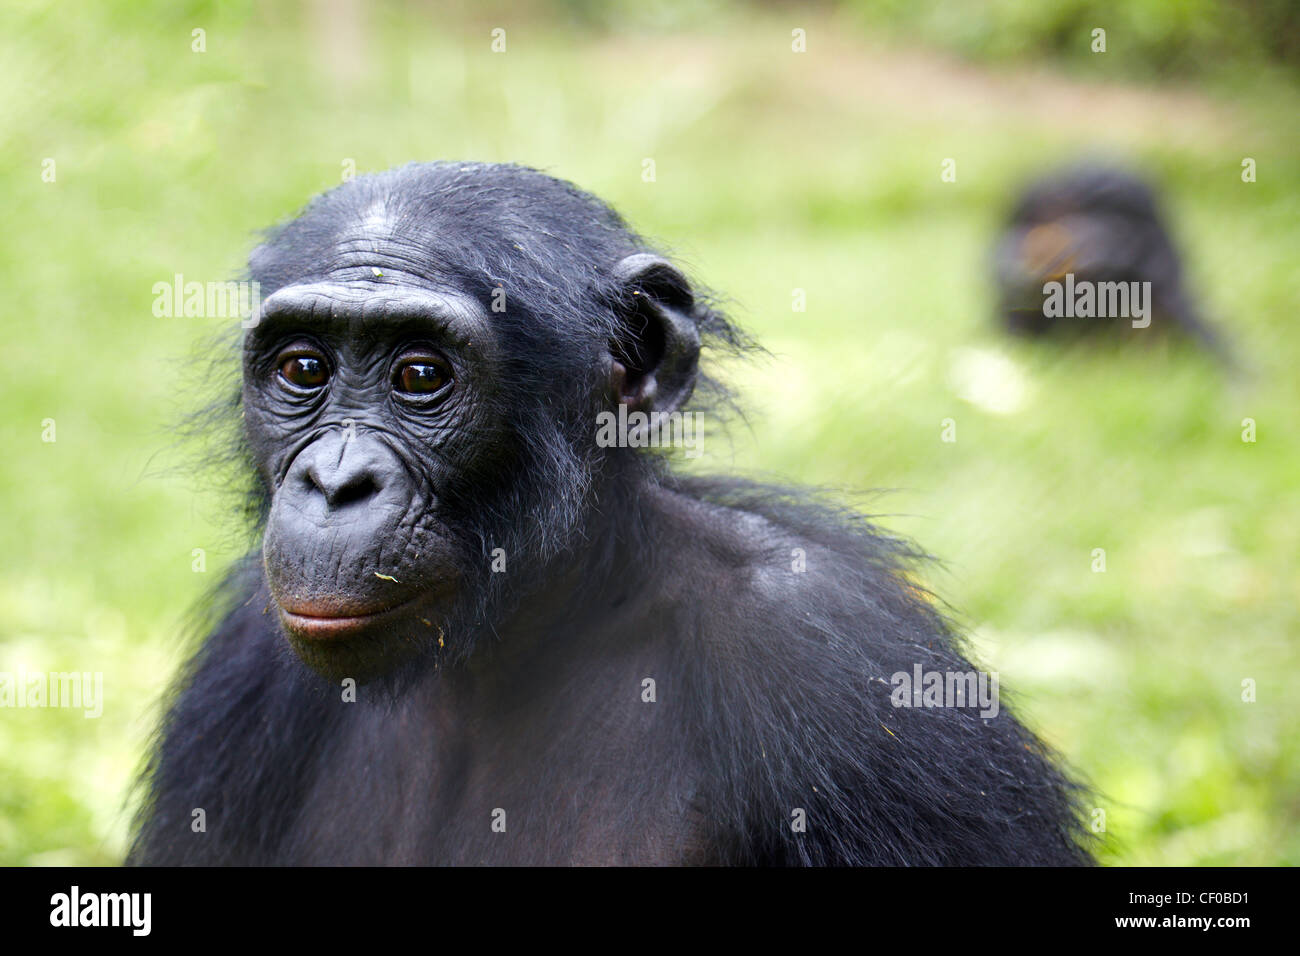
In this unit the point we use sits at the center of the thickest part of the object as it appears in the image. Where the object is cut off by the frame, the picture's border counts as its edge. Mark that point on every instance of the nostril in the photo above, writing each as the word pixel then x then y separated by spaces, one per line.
pixel 340 490
pixel 353 491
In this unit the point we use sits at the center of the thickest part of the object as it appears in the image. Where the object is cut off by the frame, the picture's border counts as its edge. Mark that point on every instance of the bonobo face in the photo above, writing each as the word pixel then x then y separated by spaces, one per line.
pixel 364 401
pixel 420 396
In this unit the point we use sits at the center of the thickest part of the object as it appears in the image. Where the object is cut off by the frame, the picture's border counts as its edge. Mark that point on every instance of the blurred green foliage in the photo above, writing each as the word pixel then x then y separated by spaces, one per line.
pixel 1145 38
pixel 774 171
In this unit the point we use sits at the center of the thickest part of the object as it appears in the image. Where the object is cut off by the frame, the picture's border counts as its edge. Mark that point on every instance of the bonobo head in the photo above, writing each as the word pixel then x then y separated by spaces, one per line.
pixel 421 389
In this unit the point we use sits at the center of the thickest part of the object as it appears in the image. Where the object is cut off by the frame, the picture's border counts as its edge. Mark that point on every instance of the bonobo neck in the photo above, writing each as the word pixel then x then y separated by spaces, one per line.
pixel 604 567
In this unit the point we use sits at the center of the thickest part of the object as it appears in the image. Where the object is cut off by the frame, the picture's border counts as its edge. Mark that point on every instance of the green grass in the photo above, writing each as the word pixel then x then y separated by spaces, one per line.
pixel 775 171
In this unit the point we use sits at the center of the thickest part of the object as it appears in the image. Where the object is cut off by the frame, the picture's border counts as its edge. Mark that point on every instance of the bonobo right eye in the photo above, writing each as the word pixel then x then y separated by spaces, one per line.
pixel 304 370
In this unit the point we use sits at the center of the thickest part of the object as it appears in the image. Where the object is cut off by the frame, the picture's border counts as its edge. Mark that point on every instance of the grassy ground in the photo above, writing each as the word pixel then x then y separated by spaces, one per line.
pixel 774 171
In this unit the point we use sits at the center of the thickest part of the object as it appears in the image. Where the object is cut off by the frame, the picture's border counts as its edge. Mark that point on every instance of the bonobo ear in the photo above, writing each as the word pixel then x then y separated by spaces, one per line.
pixel 656 355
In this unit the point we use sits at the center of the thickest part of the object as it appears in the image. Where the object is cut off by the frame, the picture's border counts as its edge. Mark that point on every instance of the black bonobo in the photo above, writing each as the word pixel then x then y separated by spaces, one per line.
pixel 477 632
pixel 1086 249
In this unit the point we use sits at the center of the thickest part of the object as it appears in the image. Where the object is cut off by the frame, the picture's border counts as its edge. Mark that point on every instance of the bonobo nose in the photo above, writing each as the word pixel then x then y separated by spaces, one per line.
pixel 345 486
pixel 344 471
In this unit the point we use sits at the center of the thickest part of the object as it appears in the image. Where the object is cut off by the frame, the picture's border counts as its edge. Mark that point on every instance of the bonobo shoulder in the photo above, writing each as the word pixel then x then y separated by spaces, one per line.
pixel 779 565
pixel 805 626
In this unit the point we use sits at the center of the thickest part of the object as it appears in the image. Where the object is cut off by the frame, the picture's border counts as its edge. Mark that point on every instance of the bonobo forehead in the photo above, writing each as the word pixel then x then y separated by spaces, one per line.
pixel 463 226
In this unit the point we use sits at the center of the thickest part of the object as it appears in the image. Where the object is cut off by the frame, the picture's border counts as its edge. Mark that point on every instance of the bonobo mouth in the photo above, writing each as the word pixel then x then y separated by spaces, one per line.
pixel 320 622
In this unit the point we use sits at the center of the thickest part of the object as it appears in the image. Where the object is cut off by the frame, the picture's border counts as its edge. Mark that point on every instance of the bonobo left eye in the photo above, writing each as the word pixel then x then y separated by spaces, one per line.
pixel 421 374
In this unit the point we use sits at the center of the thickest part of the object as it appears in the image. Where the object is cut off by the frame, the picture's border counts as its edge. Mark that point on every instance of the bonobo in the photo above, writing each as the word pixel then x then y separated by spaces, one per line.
pixel 474 633
pixel 1086 248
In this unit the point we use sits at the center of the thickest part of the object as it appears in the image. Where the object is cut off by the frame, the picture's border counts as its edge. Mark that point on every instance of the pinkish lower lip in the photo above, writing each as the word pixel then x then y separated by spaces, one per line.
pixel 327 627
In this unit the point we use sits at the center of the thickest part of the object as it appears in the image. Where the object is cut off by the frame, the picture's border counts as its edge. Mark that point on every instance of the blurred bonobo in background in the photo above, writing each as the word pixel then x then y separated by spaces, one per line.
pixel 1086 248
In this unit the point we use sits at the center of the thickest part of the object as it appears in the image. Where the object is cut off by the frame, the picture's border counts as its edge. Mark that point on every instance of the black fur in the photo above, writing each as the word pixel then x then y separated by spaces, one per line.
pixel 773 689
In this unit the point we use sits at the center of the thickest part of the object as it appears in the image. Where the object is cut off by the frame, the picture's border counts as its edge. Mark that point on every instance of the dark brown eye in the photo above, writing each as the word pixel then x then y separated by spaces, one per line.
pixel 305 371
pixel 422 376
